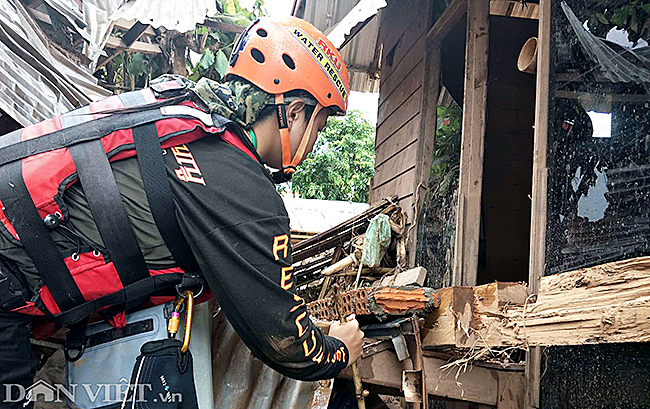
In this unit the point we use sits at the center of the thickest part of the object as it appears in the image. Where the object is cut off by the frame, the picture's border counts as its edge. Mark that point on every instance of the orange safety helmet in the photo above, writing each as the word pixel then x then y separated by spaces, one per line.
pixel 289 54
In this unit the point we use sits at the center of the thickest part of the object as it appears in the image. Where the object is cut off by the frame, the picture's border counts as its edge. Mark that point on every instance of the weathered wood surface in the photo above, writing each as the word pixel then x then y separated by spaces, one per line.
pixel 500 389
pixel 602 304
pixel 473 143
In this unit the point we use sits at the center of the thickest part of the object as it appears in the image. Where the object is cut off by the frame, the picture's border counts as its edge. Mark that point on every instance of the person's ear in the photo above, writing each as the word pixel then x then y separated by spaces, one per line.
pixel 294 110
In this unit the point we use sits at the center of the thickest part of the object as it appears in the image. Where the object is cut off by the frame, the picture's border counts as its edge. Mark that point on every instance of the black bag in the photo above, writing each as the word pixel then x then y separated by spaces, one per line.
pixel 162 378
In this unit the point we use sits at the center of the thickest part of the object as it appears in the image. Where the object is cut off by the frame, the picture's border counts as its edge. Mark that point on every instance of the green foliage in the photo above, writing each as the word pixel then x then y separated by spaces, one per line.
pixel 632 16
pixel 341 164
pixel 446 155
pixel 134 70
pixel 215 46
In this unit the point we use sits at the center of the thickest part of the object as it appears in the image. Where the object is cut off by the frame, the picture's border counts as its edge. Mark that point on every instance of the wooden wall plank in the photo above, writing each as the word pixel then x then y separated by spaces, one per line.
pixel 476 384
pixel 402 26
pixel 468 218
pixel 401 186
pixel 406 88
pixel 396 165
pixel 401 116
pixel 512 390
pixel 398 141
pixel 390 82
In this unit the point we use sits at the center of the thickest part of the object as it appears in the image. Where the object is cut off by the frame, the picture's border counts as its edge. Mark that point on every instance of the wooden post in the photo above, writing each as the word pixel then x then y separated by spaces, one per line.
pixel 539 187
pixel 427 138
pixel 468 219
pixel 179 48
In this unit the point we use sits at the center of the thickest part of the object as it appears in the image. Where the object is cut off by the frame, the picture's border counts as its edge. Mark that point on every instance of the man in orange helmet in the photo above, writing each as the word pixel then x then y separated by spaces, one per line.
pixel 284 80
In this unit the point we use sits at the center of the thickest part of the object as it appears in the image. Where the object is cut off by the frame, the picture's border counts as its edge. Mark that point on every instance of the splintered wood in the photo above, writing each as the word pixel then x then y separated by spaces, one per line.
pixel 601 304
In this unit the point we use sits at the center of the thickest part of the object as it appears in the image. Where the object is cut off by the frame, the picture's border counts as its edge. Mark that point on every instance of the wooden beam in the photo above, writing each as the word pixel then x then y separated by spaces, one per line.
pixel 426 139
pixel 514 8
pixel 126 25
pixel 454 12
pixel 539 188
pixel 217 25
pixel 138 46
pixel 468 218
pixel 609 303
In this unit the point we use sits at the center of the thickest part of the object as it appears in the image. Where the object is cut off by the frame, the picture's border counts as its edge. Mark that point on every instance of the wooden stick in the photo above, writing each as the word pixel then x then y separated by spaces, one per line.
pixel 328 279
pixel 343 264
pixel 358 386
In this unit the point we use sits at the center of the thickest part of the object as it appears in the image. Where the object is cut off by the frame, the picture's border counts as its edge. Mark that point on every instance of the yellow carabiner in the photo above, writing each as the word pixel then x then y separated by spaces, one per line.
pixel 189 296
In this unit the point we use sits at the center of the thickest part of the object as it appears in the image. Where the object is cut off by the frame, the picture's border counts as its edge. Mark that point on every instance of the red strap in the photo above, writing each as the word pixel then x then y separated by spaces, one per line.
pixel 233 140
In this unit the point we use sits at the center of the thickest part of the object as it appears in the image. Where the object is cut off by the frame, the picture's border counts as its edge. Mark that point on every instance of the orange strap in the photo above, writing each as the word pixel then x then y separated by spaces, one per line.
pixel 301 152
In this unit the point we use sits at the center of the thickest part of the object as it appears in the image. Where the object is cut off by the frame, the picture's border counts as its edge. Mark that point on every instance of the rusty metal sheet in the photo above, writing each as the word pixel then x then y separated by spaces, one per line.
pixel 243 382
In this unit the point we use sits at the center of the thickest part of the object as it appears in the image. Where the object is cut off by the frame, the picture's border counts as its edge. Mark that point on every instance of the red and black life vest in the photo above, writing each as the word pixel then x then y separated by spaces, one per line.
pixel 39 162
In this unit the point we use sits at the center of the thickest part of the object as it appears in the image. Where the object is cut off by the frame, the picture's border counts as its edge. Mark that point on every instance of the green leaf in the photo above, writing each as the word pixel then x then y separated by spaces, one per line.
pixel 221 63
pixel 229 7
pixel 207 59
pixel 601 18
pixel 646 8
pixel 139 65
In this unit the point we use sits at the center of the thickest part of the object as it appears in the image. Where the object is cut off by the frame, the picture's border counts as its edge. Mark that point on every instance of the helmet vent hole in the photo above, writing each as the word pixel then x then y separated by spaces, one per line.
pixel 289 61
pixel 329 95
pixel 261 32
pixel 257 55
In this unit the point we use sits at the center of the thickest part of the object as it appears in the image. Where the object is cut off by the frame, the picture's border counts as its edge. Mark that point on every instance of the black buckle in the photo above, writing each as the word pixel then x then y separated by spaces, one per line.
pixel 193 282
pixel 73 358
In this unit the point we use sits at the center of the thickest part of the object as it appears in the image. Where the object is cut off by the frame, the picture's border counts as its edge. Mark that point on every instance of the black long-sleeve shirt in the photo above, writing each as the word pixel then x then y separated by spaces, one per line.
pixel 238 228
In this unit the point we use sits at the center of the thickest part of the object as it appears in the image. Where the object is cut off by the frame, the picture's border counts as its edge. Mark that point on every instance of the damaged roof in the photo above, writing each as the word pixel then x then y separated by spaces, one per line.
pixel 181 16
pixel 37 81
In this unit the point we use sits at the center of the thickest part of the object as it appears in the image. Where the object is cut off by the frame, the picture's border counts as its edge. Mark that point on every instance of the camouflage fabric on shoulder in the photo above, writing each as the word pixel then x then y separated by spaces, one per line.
pixel 238 100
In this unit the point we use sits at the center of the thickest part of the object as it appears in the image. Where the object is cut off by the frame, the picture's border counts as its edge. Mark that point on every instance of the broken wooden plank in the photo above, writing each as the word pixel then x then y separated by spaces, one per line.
pixel 609 303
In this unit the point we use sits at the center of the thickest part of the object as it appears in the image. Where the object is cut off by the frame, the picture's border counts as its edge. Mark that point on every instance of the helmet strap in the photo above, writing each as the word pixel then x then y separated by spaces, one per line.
pixel 289 164
pixel 285 140
pixel 302 148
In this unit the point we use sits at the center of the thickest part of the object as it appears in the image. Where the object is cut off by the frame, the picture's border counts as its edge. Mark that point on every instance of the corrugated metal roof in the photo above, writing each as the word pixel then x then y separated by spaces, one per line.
pixel 359 53
pixel 37 83
pixel 243 382
pixel 613 65
pixel 317 216
pixel 181 16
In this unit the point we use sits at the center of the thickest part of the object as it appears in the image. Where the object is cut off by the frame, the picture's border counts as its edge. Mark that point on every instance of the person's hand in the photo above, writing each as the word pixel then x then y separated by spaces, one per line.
pixel 351 336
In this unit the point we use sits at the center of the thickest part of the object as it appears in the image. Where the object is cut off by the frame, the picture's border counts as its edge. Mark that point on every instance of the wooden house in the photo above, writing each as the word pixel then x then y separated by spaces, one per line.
pixel 539 176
